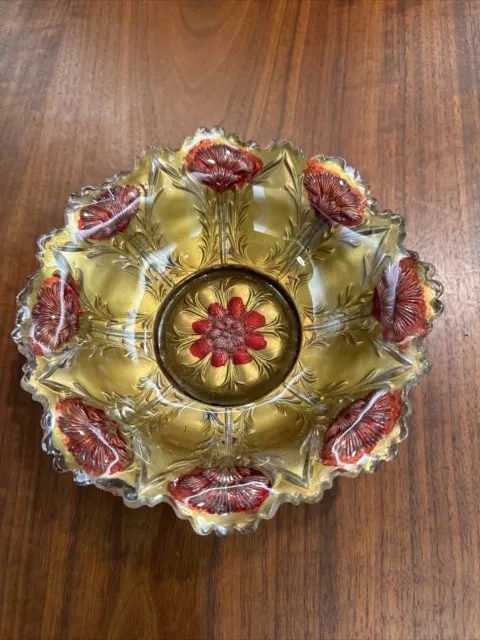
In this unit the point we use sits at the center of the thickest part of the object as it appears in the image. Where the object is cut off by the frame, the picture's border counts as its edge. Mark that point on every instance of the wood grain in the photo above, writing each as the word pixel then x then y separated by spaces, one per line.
pixel 392 85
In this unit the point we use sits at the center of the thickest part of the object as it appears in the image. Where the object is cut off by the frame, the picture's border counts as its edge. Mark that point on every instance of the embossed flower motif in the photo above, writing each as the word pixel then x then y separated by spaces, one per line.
pixel 358 428
pixel 399 303
pixel 110 213
pixel 331 197
pixel 94 440
pixel 55 315
pixel 228 334
pixel 221 166
pixel 221 491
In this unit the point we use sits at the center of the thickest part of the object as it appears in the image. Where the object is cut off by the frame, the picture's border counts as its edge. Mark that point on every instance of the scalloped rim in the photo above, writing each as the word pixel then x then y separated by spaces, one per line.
pixel 126 491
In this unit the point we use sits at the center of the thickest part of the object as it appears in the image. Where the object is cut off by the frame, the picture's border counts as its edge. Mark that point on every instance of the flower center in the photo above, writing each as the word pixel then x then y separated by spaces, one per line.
pixel 227 333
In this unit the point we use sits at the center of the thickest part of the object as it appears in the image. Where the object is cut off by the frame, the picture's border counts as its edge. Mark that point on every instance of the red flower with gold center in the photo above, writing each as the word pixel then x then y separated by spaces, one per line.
pixel 221 491
pixel 331 197
pixel 358 428
pixel 399 303
pixel 221 166
pixel 55 315
pixel 110 213
pixel 93 439
pixel 228 334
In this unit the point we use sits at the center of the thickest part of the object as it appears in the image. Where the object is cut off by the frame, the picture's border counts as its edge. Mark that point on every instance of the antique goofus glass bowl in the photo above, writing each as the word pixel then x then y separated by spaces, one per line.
pixel 225 328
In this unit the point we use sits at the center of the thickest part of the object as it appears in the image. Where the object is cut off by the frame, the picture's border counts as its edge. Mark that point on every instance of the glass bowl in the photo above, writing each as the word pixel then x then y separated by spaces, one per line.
pixel 225 328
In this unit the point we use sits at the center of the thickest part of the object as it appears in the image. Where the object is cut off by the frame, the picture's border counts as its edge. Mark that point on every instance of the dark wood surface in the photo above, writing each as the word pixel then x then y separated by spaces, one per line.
pixel 391 85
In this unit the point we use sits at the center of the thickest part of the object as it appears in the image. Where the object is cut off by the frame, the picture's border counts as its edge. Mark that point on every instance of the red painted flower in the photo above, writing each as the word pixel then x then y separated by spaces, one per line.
pixel 228 334
pixel 358 428
pixel 95 441
pixel 221 491
pixel 55 315
pixel 110 213
pixel 331 197
pixel 222 167
pixel 399 303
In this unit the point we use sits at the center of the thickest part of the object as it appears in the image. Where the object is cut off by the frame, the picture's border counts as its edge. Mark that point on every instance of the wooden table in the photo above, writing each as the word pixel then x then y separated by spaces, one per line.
pixel 392 85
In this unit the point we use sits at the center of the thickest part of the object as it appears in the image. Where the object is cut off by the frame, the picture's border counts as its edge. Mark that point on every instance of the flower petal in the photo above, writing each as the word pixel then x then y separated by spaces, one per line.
pixel 255 341
pixel 128 194
pixel 257 164
pixel 201 326
pixel 399 302
pixel 254 320
pixel 55 314
pixel 358 428
pixel 219 359
pixel 110 213
pixel 240 356
pixel 221 491
pixel 222 167
pixel 216 310
pixel 94 440
pixel 332 198
pixel 200 348
pixel 236 307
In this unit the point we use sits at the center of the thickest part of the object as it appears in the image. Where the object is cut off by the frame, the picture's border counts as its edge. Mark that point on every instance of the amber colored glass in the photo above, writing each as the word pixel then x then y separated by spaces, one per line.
pixel 225 328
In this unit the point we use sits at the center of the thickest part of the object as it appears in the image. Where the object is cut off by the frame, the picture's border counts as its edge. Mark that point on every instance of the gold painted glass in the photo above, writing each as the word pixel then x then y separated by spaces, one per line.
pixel 225 328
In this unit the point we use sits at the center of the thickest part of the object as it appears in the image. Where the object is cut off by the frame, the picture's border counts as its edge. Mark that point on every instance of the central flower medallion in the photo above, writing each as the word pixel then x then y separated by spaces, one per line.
pixel 228 337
